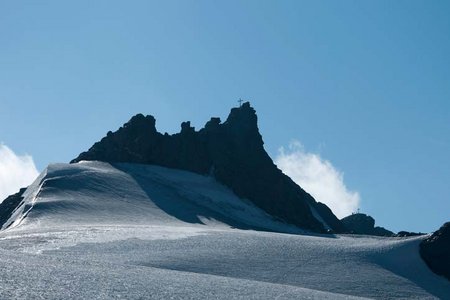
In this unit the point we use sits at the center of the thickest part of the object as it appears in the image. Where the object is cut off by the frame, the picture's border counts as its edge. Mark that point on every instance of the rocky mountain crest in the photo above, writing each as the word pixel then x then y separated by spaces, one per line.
pixel 232 151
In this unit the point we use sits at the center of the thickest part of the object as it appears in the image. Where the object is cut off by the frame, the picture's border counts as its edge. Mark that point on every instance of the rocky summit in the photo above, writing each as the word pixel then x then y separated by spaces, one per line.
pixel 364 224
pixel 232 152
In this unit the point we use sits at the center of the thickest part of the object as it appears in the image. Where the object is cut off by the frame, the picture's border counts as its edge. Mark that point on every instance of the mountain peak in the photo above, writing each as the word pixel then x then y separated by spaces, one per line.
pixel 142 122
pixel 232 152
pixel 243 116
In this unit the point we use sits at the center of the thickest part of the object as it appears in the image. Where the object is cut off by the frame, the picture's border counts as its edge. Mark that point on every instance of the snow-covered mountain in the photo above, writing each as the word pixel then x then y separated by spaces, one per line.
pixel 99 193
pixel 232 152
pixel 96 230
pixel 195 215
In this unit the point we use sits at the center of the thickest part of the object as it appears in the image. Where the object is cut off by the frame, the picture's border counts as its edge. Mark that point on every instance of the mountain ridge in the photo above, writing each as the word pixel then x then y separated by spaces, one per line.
pixel 232 152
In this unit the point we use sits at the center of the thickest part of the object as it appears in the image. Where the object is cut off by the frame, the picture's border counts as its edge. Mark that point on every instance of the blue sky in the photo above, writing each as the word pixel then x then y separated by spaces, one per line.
pixel 363 84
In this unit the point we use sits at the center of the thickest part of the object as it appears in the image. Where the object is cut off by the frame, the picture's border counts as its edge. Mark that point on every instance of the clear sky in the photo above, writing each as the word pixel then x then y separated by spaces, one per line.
pixel 365 85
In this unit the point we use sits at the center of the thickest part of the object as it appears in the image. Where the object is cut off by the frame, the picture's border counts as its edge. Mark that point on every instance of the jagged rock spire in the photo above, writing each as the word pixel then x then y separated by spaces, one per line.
pixel 232 152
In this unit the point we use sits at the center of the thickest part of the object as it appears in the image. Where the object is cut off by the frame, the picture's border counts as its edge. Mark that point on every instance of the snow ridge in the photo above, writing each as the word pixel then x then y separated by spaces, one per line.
pixel 93 192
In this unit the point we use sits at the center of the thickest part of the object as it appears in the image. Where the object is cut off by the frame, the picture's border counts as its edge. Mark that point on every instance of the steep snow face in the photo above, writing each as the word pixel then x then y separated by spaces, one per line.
pixel 98 193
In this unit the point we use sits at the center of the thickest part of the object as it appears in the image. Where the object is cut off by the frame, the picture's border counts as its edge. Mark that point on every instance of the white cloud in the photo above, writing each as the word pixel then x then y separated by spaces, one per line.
pixel 319 178
pixel 16 171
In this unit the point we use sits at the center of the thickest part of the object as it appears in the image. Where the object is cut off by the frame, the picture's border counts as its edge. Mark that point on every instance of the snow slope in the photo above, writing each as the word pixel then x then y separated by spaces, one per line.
pixel 98 231
pixel 98 193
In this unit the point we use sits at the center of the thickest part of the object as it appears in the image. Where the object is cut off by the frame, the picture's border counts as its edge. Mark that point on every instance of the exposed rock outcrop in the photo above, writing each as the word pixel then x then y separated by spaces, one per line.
pixel 435 251
pixel 364 224
pixel 408 233
pixel 232 152
pixel 381 231
pixel 9 205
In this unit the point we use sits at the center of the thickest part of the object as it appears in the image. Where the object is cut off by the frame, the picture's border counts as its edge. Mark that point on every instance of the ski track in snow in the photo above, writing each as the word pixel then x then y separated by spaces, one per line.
pixel 96 231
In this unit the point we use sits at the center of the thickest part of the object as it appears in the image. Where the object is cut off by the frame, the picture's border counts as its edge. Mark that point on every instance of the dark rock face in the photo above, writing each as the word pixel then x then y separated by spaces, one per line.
pixel 9 205
pixel 381 231
pixel 232 152
pixel 364 224
pixel 435 251
pixel 329 218
pixel 359 223
pixel 408 233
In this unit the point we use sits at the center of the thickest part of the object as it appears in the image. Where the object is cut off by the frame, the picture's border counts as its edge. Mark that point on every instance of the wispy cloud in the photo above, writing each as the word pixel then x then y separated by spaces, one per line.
pixel 16 171
pixel 318 177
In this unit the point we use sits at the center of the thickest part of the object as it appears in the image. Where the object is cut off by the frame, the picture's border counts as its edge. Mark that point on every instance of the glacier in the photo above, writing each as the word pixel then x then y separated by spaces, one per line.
pixel 95 230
